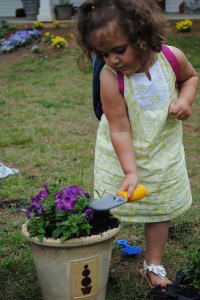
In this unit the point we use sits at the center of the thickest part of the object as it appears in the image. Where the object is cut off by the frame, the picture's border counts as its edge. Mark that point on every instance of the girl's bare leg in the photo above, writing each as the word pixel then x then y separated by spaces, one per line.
pixel 156 236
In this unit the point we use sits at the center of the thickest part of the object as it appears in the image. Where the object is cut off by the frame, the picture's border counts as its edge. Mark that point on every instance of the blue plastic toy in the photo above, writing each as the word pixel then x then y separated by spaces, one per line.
pixel 128 250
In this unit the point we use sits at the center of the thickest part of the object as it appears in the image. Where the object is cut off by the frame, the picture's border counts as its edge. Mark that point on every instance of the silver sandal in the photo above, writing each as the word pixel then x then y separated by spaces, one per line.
pixel 158 270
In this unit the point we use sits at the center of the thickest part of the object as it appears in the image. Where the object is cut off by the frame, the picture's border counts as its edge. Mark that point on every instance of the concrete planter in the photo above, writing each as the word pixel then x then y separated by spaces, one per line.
pixel 63 11
pixel 75 269
pixel 31 8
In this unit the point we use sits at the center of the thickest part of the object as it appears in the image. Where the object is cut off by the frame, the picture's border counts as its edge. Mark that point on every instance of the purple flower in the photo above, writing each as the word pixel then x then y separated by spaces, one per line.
pixel 34 209
pixel 42 194
pixel 29 212
pixel 89 213
pixel 87 196
pixel 64 205
pixel 35 204
pixel 19 39
pixel 66 198
pixel 76 190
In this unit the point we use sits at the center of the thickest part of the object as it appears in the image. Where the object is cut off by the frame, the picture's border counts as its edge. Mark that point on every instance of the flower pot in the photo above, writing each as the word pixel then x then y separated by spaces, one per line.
pixel 175 292
pixel 158 294
pixel 31 8
pixel 188 293
pixel 180 278
pixel 64 12
pixel 75 269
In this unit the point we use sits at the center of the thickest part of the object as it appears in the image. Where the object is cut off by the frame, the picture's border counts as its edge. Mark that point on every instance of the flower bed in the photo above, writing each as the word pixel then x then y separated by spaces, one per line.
pixel 36 34
pixel 19 39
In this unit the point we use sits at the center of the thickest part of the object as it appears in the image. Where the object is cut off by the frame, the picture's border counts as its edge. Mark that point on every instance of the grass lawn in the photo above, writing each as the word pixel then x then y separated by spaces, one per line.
pixel 48 132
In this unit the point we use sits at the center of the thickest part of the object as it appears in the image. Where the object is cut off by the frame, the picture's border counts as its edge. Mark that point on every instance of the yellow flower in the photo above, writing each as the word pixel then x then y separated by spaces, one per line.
pixel 184 26
pixel 59 42
pixel 38 25
pixel 48 37
pixel 56 23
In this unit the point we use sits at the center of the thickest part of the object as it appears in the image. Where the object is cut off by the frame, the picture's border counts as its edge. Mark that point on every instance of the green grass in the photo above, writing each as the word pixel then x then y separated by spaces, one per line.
pixel 48 131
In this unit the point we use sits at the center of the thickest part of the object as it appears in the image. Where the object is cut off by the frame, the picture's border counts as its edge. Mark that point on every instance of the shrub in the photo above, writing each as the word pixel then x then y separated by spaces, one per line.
pixel 3 28
pixel 192 270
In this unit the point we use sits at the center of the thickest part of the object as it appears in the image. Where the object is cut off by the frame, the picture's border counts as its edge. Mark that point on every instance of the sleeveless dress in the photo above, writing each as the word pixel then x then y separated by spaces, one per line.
pixel 159 151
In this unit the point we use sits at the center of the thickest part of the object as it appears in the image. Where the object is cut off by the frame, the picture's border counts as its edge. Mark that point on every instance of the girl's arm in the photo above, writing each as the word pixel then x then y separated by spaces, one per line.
pixel 181 107
pixel 115 110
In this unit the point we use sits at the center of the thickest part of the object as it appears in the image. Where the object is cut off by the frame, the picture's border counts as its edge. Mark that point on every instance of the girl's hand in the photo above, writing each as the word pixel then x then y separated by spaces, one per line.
pixel 129 184
pixel 180 108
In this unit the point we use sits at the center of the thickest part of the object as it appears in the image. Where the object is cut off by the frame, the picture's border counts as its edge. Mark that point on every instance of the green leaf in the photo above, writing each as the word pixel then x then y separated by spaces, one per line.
pixel 64 238
pixel 41 230
pixel 40 237
pixel 74 229
pixel 57 232
pixel 61 213
pixel 58 224
pixel 66 223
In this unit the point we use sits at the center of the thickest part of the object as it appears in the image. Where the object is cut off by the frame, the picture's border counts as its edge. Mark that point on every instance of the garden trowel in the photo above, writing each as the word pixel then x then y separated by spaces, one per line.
pixel 110 201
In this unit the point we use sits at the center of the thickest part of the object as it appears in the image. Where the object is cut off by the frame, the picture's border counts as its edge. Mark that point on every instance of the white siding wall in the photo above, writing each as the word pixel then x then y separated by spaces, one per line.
pixel 172 6
pixel 192 6
pixel 8 7
pixel 74 2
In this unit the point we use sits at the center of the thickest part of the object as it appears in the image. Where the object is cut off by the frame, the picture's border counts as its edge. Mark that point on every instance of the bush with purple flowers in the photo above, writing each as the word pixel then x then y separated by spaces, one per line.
pixel 20 38
pixel 59 213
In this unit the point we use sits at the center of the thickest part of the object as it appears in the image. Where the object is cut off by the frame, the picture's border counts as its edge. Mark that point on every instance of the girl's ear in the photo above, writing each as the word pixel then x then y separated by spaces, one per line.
pixel 143 45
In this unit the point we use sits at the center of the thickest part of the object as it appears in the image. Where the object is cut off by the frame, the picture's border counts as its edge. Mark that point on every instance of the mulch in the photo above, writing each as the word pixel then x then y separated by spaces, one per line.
pixel 66 30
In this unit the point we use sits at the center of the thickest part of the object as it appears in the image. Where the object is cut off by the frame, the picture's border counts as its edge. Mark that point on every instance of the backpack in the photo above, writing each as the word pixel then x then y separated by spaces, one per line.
pixel 98 65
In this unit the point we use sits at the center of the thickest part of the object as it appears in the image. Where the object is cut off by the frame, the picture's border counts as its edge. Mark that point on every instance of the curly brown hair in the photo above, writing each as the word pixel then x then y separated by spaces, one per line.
pixel 141 21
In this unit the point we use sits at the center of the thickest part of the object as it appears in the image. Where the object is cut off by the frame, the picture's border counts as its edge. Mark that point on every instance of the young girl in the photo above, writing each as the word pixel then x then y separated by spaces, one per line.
pixel 139 138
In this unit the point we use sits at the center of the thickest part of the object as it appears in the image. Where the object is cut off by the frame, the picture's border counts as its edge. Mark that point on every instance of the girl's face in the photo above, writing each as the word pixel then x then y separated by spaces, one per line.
pixel 116 50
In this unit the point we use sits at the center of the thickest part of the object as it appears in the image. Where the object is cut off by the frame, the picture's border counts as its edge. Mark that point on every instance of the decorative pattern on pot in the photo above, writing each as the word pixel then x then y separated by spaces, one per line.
pixel 85 277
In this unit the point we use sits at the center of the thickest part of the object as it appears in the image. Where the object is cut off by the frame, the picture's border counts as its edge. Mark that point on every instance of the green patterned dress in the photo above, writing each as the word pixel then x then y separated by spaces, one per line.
pixel 158 144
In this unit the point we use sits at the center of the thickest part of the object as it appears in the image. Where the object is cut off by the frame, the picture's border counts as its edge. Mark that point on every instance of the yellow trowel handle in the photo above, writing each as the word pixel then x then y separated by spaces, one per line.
pixel 139 193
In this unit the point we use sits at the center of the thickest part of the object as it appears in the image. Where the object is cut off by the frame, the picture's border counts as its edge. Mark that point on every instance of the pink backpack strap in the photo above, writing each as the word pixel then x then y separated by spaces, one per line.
pixel 173 61
pixel 120 77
